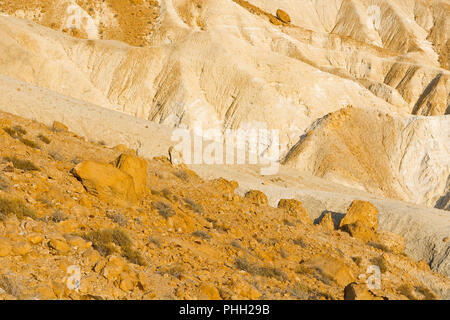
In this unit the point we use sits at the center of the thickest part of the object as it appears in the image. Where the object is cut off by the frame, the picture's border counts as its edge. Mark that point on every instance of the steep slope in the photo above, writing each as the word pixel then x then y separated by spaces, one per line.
pixel 186 238
pixel 218 62
pixel 423 228
pixel 397 157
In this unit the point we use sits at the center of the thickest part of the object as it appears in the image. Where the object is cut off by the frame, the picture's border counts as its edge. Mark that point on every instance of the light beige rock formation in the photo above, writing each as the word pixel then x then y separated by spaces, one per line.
pixel 127 74
pixel 400 157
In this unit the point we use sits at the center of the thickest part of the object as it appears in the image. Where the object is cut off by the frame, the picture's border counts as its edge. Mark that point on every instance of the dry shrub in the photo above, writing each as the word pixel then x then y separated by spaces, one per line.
pixel 44 139
pixel 22 164
pixel 118 218
pixel 264 271
pixel 201 234
pixel 16 207
pixel 29 143
pixel 193 205
pixel 103 241
pixel 164 209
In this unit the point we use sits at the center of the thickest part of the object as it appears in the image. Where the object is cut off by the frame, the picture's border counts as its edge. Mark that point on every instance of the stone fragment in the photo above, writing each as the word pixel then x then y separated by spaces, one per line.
pixel 283 16
pixel 330 268
pixel 59 245
pixel 361 220
pixel 327 222
pixel 355 291
pixel 296 208
pixel 257 197
pixel 59 127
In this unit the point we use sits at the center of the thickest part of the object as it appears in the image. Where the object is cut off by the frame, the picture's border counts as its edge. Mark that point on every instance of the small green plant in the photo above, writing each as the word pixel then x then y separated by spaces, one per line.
pixel 22 164
pixel 302 292
pixel 55 156
pixel 379 246
pixel 283 254
pixel 104 240
pixel 201 234
pixel 155 241
pixel 300 242
pixel 118 218
pixel 133 256
pixel 181 174
pixel 15 132
pixel 15 207
pixel 166 193
pixel 29 143
pixel 58 216
pixel 48 203
pixel 11 132
pixel 288 223
pixel 44 139
pixel 193 205
pixel 315 272
pixel 264 271
pixel 165 210
pixel 236 244
pixel 220 227
pixel 20 131
pixel 76 160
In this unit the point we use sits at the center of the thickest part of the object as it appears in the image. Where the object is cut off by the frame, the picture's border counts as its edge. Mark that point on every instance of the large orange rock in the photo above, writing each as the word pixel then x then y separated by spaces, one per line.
pixel 296 208
pixel 283 16
pixel 137 168
pixel 257 197
pixel 331 268
pixel 360 231
pixel 327 222
pixel 359 291
pixel 106 181
pixel 361 220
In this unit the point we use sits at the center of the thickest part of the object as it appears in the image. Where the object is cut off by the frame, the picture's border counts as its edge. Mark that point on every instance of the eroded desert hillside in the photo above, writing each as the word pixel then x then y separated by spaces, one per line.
pixel 358 92
pixel 144 229
pixel 235 64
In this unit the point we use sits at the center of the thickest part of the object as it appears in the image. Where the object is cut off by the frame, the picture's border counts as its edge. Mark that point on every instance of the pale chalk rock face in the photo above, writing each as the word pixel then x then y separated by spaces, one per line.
pixel 284 77
pixel 400 157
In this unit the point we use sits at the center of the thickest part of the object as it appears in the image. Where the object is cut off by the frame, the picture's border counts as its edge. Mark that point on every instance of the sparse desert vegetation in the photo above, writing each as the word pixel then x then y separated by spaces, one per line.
pixel 215 149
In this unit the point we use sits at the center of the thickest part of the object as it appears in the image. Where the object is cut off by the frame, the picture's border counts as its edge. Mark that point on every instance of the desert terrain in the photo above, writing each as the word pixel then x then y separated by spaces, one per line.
pixel 98 202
